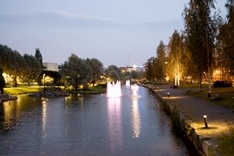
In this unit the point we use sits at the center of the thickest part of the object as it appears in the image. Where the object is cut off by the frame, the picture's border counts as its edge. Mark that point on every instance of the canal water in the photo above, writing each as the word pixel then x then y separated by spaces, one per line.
pixel 86 125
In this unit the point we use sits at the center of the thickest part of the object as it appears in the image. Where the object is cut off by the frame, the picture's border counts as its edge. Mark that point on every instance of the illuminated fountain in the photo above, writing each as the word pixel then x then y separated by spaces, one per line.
pixel 127 83
pixel 114 89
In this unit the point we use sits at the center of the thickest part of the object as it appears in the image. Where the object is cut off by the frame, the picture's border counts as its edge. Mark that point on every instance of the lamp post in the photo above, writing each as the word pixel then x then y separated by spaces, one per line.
pixel 164 67
pixel 205 121
pixel 44 82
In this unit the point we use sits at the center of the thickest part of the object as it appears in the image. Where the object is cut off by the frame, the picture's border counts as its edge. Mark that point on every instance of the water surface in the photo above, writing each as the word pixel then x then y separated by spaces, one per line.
pixel 132 124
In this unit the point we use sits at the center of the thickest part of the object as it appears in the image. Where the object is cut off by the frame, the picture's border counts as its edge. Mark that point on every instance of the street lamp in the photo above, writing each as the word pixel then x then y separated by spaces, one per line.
pixel 205 121
pixel 164 67
pixel 44 82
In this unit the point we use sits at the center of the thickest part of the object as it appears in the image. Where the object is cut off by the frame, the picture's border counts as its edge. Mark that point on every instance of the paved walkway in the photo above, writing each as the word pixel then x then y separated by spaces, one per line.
pixel 219 118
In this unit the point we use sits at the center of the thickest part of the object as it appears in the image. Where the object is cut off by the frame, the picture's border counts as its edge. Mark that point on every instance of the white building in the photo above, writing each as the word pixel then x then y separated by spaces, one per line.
pixel 50 66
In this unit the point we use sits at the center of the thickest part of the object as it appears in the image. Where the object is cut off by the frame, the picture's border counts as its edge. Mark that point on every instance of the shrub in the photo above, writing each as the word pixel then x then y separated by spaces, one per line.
pixel 218 84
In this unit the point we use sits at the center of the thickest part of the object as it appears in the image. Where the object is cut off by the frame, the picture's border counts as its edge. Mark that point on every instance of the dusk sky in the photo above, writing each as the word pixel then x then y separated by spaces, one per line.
pixel 116 32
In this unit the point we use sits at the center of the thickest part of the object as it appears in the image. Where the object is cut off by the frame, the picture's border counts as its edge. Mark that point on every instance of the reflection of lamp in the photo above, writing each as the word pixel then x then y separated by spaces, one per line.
pixel 205 121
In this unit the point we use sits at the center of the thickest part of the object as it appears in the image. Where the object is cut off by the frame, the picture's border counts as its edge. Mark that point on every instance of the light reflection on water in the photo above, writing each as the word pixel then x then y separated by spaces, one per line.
pixel 88 125
pixel 115 123
pixel 44 118
pixel 136 118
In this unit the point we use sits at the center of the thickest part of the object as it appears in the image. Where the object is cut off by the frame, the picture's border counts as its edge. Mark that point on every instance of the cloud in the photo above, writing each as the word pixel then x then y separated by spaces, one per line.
pixel 60 18
pixel 56 18
pixel 66 14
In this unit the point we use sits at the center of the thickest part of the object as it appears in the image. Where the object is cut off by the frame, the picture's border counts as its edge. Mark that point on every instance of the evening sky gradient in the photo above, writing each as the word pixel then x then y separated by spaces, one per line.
pixel 117 32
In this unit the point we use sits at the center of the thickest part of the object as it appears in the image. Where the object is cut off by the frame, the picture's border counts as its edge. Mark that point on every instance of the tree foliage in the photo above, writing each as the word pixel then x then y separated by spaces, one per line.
pixel 200 33
pixel 113 73
pixel 32 68
pixel 225 46
pixel 178 58
pixel 25 68
pixel 76 71
pixel 96 67
pixel 160 61
pixel 38 56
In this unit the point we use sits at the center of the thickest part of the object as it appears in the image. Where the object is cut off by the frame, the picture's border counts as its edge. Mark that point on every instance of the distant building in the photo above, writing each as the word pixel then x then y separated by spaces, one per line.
pixel 131 68
pixel 50 66
pixel 60 67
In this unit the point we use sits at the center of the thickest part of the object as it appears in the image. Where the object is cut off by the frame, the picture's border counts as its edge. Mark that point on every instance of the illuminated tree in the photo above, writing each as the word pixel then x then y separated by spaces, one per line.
pixel 32 69
pixel 17 66
pixel 177 59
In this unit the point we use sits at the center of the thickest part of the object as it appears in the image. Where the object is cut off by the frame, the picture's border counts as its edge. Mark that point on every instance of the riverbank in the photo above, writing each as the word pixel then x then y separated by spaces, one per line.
pixel 188 114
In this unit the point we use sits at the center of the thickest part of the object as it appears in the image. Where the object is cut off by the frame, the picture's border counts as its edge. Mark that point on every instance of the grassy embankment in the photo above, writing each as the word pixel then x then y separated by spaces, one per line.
pixel 226 94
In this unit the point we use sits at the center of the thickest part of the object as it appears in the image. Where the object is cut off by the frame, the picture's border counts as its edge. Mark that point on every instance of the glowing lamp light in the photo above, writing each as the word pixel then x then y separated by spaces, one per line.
pixel 205 121
pixel 168 94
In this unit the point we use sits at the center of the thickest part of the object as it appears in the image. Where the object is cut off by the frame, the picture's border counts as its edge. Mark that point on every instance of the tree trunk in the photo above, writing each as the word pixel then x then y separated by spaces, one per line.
pixel 76 84
pixel 200 82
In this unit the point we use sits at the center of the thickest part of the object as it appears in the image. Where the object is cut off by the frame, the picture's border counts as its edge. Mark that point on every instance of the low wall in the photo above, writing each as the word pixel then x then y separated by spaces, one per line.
pixel 203 147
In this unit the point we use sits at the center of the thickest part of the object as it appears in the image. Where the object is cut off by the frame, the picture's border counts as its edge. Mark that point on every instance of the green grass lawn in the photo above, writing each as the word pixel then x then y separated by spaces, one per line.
pixel 22 90
pixel 33 89
pixel 226 94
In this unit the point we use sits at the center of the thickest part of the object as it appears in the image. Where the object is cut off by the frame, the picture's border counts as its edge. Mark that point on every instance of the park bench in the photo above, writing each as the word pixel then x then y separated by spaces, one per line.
pixel 216 97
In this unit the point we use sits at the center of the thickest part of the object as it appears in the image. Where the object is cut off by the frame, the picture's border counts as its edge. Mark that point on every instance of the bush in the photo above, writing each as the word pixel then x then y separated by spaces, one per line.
pixel 218 84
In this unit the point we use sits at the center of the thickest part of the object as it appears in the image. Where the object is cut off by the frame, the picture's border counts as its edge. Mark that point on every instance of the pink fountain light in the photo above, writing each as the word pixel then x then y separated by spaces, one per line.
pixel 127 83
pixel 113 89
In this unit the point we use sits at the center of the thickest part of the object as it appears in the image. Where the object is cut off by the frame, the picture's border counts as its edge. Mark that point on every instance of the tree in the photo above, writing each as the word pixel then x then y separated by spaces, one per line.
pixel 200 34
pixel 38 56
pixel 225 48
pixel 76 71
pixel 5 55
pixel 2 81
pixel 32 69
pixel 161 55
pixel 113 73
pixel 151 70
pixel 177 57
pixel 97 68
pixel 17 67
